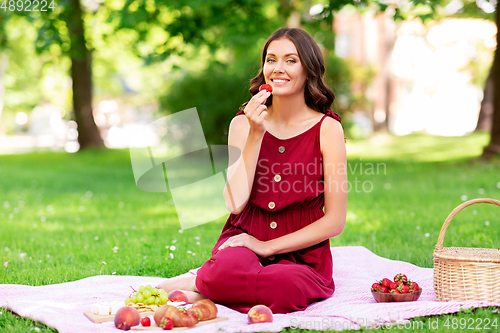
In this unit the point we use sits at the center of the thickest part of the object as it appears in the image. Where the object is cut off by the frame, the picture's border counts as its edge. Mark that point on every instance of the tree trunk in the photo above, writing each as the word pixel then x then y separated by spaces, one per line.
pixel 4 60
pixel 486 111
pixel 81 73
pixel 390 35
pixel 493 148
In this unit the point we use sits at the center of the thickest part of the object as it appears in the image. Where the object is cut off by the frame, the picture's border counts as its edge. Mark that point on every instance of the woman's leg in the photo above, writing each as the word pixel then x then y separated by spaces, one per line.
pixel 184 283
pixel 181 282
pixel 235 277
pixel 230 276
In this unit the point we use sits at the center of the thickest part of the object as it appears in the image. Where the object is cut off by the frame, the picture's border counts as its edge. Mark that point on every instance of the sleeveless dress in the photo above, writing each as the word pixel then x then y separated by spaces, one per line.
pixel 287 195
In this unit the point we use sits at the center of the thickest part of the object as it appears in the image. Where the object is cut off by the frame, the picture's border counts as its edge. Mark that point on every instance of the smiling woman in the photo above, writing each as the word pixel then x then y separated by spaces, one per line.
pixel 272 234
pixel 293 55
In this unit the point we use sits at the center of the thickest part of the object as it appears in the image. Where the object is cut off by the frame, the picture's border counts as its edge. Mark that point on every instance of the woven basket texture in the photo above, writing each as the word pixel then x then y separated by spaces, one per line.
pixel 464 273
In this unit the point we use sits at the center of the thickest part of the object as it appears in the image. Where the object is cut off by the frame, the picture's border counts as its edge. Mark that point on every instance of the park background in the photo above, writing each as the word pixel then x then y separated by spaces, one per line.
pixel 414 83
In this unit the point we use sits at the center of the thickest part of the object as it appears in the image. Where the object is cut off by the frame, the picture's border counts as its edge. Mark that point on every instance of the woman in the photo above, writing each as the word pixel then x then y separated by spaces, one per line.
pixel 274 248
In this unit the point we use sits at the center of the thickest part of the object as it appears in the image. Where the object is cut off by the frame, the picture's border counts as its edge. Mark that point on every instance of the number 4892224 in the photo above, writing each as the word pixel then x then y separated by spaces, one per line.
pixel 27 5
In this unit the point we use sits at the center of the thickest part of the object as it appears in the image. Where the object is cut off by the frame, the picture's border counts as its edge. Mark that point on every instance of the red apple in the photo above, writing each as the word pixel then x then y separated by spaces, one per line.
pixel 127 317
pixel 260 314
pixel 177 296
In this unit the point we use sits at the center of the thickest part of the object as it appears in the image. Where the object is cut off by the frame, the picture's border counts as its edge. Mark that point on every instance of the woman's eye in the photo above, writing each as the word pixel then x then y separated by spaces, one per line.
pixel 270 60
pixel 292 61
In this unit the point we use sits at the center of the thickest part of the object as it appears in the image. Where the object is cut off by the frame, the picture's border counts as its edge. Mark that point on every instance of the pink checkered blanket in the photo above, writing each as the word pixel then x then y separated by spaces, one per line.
pixel 352 306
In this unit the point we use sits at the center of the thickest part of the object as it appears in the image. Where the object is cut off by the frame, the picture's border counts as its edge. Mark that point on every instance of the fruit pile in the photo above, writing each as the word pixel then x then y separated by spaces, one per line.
pixel 401 285
pixel 148 295
pixel 167 316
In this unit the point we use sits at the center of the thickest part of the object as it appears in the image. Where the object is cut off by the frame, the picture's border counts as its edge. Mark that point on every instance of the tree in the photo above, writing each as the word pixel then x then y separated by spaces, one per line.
pixel 81 73
pixel 62 24
pixel 493 148
pixel 437 9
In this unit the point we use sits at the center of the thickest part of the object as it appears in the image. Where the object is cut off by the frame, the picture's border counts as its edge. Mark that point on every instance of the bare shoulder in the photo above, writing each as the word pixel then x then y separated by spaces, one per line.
pixel 331 134
pixel 238 130
pixel 239 122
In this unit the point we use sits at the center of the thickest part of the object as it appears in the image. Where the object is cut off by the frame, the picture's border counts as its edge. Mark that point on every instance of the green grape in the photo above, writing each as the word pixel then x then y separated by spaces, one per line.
pixel 140 298
pixel 127 300
pixel 141 289
pixel 151 300
pixel 133 299
pixel 155 291
pixel 149 287
pixel 161 291
pixel 163 298
pixel 157 301
pixel 146 293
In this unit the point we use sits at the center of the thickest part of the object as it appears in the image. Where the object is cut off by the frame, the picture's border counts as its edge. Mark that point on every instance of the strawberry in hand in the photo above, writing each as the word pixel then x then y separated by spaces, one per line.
pixel 267 87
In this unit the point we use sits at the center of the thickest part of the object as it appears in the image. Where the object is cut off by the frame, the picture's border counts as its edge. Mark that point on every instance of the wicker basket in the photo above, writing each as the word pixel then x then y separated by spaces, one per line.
pixel 466 274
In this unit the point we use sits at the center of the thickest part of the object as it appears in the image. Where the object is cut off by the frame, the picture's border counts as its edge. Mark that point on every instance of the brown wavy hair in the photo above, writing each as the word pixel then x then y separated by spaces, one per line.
pixel 318 96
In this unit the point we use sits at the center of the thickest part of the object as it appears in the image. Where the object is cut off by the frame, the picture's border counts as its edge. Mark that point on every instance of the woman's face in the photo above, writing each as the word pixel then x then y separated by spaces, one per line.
pixel 283 69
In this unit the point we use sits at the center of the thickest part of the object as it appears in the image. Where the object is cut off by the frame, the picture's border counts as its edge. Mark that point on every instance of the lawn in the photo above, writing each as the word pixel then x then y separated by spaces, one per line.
pixel 65 217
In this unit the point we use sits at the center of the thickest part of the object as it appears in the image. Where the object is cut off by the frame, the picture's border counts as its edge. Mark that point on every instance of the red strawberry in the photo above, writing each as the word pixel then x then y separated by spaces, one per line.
pixel 413 287
pixel 376 287
pixel 394 291
pixel 404 289
pixel 384 289
pixel 400 277
pixel 267 87
pixel 166 323
pixel 385 282
pixel 394 285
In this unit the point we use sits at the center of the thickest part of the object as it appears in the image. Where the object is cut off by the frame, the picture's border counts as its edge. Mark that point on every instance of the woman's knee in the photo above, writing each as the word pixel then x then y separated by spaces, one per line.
pixel 227 265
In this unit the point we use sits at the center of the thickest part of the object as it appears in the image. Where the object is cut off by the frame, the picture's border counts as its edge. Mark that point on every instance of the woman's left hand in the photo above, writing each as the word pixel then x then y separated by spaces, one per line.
pixel 260 248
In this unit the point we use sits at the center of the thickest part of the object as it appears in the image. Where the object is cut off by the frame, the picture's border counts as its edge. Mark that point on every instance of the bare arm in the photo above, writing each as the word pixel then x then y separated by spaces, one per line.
pixel 246 133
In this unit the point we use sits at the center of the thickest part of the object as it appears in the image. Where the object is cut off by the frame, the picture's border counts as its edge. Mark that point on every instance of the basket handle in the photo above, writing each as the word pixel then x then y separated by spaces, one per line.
pixel 439 245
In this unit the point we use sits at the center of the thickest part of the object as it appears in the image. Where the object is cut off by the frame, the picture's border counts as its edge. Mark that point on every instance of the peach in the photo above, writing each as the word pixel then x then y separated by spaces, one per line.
pixel 177 296
pixel 260 314
pixel 127 317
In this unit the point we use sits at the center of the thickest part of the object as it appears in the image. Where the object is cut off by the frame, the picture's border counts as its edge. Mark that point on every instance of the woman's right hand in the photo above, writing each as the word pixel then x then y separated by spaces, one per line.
pixel 256 112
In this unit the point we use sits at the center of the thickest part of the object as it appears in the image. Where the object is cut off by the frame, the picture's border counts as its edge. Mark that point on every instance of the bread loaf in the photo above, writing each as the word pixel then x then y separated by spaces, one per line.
pixel 178 317
pixel 204 309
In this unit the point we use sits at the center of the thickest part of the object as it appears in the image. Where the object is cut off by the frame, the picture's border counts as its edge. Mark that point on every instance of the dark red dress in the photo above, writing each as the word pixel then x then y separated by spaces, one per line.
pixel 287 195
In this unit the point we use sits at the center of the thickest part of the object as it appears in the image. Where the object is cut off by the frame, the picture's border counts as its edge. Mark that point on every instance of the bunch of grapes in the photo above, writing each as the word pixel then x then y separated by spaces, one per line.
pixel 148 295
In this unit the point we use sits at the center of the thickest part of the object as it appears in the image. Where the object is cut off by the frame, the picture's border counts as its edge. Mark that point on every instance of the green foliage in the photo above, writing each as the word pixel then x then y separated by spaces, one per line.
pixel 217 94
pixel 216 24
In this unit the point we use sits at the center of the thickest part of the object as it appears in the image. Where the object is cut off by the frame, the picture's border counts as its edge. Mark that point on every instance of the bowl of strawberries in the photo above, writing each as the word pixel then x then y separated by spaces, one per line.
pixel 399 290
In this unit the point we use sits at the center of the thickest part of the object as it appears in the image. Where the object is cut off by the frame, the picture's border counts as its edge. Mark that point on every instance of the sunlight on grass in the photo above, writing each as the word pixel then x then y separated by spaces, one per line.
pixel 418 147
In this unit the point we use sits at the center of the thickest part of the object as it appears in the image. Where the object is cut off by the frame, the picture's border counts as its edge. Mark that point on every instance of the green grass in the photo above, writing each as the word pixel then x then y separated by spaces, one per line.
pixel 61 215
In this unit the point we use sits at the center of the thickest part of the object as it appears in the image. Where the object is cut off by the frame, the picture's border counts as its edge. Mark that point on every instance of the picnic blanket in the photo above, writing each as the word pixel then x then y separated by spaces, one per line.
pixel 351 307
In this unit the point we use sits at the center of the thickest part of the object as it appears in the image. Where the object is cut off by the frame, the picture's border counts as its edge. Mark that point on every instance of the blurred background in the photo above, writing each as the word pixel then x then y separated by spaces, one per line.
pixel 76 74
